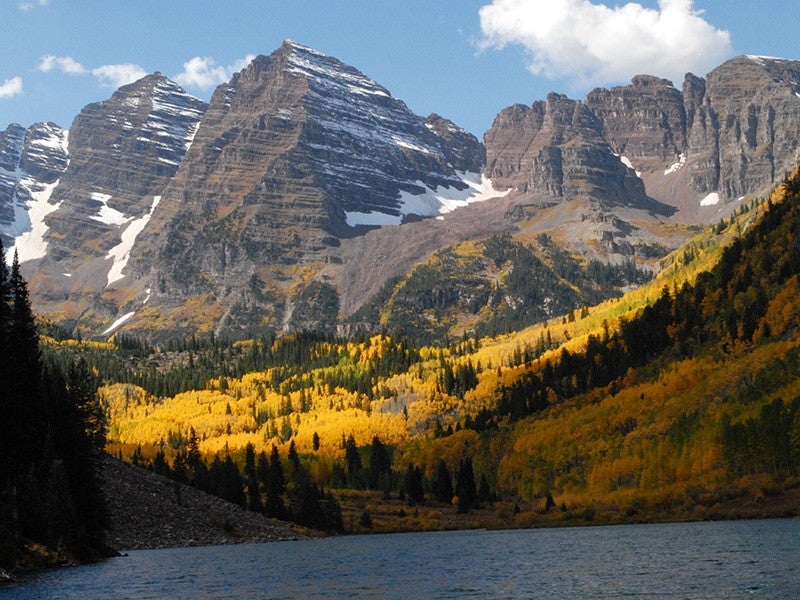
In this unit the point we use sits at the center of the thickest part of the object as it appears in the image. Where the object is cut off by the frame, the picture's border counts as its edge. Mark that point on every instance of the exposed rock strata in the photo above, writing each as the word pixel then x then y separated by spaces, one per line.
pixel 172 217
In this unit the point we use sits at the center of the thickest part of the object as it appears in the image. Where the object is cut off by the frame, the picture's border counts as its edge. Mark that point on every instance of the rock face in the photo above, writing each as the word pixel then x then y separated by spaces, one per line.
pixel 264 209
pixel 646 119
pixel 122 154
pixel 746 129
pixel 555 150
pixel 698 150
pixel 296 153
pixel 31 162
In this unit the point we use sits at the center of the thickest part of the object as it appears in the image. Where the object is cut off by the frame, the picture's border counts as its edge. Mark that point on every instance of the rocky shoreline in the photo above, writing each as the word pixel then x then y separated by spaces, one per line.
pixel 149 511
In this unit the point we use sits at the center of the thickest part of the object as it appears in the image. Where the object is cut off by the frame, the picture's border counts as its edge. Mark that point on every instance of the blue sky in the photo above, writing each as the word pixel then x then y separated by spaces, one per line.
pixel 464 59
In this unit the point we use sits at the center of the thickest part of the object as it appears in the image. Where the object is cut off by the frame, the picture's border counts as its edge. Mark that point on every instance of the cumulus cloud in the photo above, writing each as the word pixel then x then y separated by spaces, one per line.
pixel 11 87
pixel 26 6
pixel 205 73
pixel 593 44
pixel 66 64
pixel 107 75
pixel 118 75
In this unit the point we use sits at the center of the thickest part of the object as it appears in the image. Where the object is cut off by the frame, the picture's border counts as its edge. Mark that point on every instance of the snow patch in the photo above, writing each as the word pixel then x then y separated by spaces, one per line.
pixel 760 59
pixel 29 243
pixel 32 202
pixel 711 200
pixel 676 166
pixel 627 162
pixel 119 322
pixel 106 214
pixel 122 251
pixel 67 274
pixel 431 202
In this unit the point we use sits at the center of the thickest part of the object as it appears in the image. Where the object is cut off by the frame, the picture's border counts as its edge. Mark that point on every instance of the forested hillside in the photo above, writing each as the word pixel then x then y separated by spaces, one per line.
pixel 53 431
pixel 678 400
pixel 492 287
pixel 669 402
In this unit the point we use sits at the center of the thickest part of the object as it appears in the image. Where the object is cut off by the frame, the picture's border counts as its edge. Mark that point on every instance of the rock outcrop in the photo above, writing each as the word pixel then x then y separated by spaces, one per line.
pixel 693 153
pixel 555 150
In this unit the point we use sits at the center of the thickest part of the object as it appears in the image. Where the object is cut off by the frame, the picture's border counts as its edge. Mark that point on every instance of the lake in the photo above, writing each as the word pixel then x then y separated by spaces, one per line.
pixel 732 559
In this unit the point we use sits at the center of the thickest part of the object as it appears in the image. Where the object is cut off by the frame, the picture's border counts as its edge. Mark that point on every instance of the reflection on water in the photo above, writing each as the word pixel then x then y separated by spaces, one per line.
pixel 736 559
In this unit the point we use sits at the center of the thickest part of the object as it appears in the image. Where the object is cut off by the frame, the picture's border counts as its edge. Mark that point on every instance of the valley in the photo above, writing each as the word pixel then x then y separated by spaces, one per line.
pixel 302 302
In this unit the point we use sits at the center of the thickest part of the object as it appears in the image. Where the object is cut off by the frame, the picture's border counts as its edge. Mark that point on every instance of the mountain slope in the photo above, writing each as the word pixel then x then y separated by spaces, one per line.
pixel 123 151
pixel 306 185
pixel 31 162
pixel 685 404
pixel 294 154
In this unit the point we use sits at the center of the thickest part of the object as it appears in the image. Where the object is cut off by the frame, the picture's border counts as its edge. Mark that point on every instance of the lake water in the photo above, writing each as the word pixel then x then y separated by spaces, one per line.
pixel 734 559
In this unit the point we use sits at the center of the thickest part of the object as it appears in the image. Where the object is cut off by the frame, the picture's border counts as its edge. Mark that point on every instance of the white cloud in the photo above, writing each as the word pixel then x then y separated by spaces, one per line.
pixel 118 75
pixel 66 64
pixel 11 87
pixel 108 75
pixel 593 44
pixel 204 72
pixel 26 6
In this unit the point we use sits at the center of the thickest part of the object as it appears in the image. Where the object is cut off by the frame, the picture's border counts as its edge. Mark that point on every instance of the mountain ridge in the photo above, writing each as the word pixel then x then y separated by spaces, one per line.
pixel 294 170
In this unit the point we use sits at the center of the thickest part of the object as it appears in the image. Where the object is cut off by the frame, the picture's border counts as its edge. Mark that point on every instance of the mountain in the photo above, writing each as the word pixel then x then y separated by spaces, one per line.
pixel 296 153
pixel 122 153
pixel 305 192
pixel 31 162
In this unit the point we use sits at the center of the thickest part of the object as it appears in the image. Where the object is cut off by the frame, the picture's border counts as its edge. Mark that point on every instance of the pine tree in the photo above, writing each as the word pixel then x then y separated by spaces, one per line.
pixel 294 458
pixel 413 485
pixel 443 484
pixel 275 487
pixel 465 486
pixel 352 459
pixel 380 465
pixel 8 439
pixel 251 479
pixel 25 415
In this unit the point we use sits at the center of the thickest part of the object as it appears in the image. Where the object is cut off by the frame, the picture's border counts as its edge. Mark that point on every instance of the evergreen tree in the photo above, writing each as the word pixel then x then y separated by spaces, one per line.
pixel 80 438
pixel 484 491
pixel 160 466
pixel 443 483
pixel 352 459
pixel 413 485
pixel 179 471
pixel 231 485
pixel 380 465
pixel 24 418
pixel 8 439
pixel 275 487
pixel 465 486
pixel 262 467
pixel 251 479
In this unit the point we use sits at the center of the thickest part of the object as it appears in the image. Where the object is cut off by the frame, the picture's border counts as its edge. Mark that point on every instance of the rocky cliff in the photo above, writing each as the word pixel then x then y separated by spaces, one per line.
pixel 122 153
pixel 304 186
pixel 627 158
pixel 31 162
pixel 296 153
